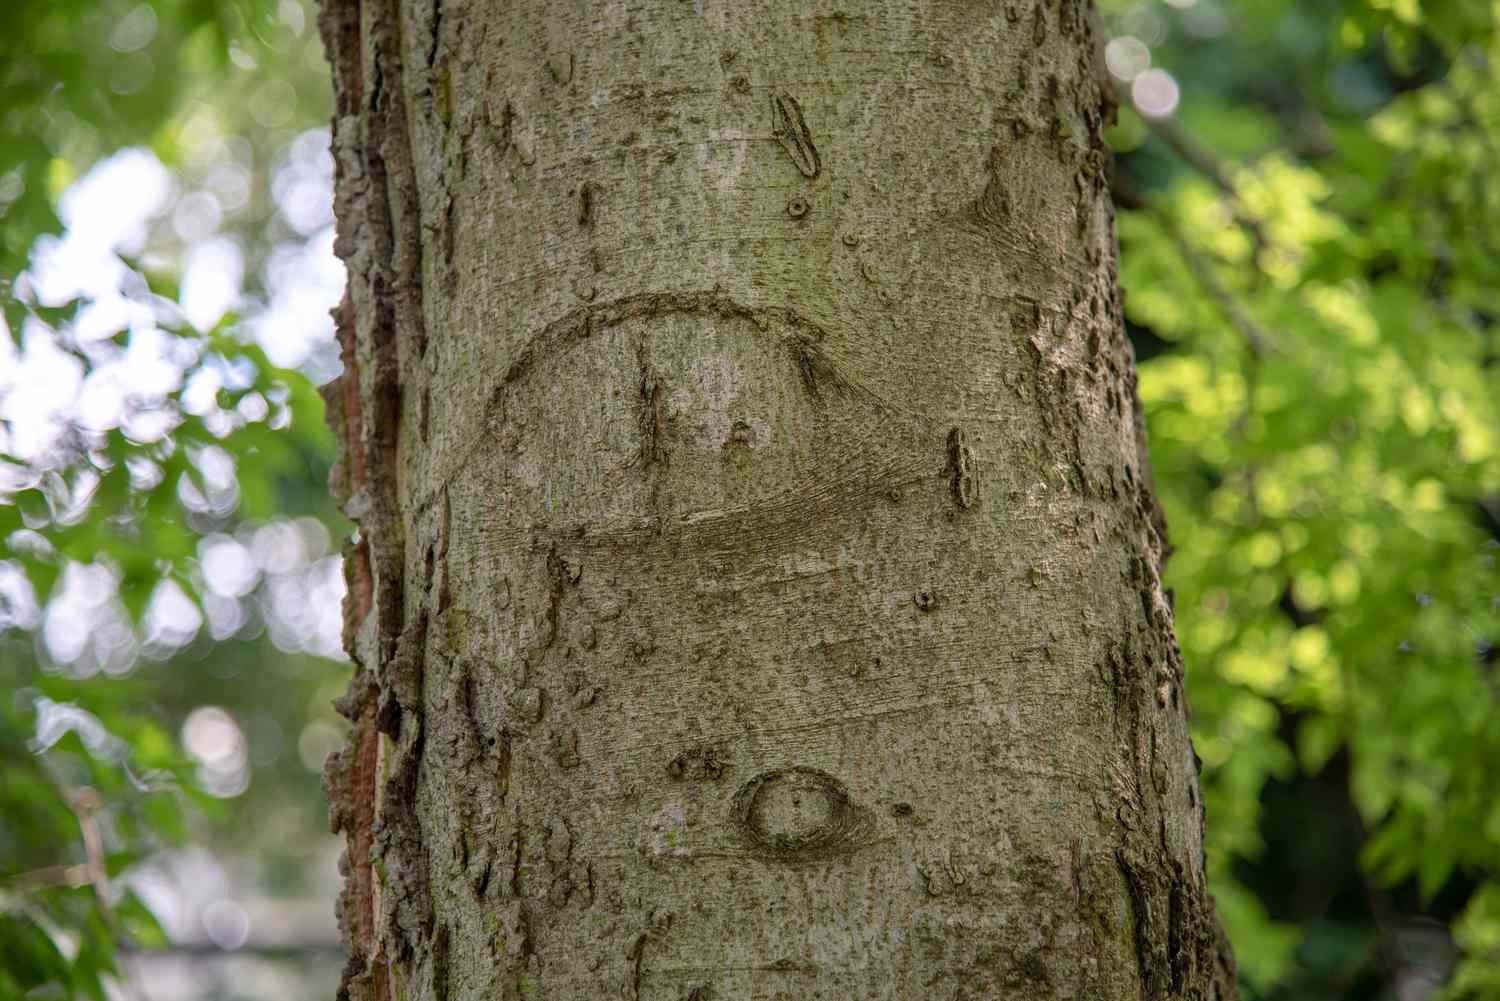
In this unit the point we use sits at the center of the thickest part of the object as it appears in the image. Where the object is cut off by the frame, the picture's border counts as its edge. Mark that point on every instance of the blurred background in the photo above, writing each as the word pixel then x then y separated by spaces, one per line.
pixel 1308 223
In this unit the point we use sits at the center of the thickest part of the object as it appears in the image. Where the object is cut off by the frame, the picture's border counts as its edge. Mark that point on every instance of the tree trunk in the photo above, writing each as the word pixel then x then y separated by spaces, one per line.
pixel 757 589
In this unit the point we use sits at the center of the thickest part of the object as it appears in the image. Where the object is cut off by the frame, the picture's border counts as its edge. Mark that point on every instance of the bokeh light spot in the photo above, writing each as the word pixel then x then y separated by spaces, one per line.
pixel 1155 93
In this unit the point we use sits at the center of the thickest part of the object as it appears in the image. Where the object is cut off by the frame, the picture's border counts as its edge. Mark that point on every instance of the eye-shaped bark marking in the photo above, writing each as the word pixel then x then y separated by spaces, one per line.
pixel 800 814
pixel 790 129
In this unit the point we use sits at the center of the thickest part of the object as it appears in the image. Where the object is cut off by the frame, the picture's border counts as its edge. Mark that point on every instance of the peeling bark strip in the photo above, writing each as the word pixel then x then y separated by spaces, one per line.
pixel 695 658
pixel 790 129
pixel 380 331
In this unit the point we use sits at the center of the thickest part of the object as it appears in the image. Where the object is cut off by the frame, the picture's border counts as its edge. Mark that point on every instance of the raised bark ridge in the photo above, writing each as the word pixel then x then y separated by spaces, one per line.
pixel 757 592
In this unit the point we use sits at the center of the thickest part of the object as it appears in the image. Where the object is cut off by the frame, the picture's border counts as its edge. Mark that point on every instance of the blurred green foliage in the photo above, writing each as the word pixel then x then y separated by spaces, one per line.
pixel 60 919
pixel 1310 259
pixel 1308 246
pixel 94 773
pixel 81 78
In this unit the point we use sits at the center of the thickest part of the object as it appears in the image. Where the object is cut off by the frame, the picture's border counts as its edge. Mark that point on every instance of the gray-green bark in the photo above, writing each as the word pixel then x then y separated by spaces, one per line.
pixel 757 593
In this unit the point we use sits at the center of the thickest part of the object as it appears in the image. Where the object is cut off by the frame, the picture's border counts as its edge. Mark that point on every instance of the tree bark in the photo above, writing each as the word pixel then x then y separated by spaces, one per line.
pixel 757 584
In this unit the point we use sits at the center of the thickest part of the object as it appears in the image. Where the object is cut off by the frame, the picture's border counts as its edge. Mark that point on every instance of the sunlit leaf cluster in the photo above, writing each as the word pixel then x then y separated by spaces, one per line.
pixel 1323 397
pixel 168 554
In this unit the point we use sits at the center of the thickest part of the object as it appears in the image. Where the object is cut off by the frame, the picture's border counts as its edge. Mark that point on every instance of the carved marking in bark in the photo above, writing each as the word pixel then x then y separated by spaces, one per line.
pixel 560 68
pixel 993 206
pixel 652 449
pixel 586 194
pixel 790 129
pixel 963 471
pixel 801 336
pixel 499 125
pixel 589 319
pixel 698 764
pixel 799 814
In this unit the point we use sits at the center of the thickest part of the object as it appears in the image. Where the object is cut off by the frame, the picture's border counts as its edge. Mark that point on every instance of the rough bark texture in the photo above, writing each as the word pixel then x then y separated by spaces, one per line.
pixel 757 591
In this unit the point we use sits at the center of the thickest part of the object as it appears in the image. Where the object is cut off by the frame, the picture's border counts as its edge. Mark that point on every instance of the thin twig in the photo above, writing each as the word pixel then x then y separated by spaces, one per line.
pixel 1256 337
pixel 270 952
pixel 71 876
pixel 1193 153
pixel 1203 160
pixel 84 802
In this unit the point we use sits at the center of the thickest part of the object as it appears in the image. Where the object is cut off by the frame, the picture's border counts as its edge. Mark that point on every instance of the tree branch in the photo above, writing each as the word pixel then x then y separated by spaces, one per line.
pixel 1203 160
pixel 1256 337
